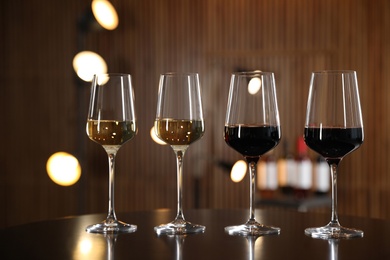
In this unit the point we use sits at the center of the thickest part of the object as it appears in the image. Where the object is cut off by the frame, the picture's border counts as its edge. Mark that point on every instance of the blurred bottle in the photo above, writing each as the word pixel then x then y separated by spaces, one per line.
pixel 286 170
pixel 304 171
pixel 322 177
pixel 267 176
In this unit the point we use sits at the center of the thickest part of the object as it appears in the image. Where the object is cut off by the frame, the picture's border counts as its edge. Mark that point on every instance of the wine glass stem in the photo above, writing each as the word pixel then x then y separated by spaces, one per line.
pixel 252 173
pixel 179 162
pixel 111 211
pixel 333 172
pixel 251 246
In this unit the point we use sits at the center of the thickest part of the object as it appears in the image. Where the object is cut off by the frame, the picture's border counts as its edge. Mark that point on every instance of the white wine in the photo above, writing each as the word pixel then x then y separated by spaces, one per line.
pixel 111 132
pixel 179 132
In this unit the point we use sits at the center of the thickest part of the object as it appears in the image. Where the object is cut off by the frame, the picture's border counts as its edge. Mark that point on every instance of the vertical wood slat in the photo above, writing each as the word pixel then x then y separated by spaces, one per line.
pixel 214 38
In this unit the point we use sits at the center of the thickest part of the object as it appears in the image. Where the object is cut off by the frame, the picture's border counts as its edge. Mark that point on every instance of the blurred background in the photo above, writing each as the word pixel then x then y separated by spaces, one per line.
pixel 44 103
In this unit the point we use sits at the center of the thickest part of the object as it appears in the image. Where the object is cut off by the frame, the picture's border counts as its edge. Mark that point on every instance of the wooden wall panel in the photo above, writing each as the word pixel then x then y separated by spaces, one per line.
pixel 44 105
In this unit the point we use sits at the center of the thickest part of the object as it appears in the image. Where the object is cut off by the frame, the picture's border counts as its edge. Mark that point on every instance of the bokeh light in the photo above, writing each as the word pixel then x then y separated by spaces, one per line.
pixel 88 63
pixel 155 138
pixel 63 169
pixel 105 14
pixel 238 171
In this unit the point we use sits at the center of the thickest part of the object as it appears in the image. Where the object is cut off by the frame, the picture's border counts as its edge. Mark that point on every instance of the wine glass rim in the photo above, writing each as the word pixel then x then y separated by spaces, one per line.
pixel 174 73
pixel 110 74
pixel 253 72
pixel 334 72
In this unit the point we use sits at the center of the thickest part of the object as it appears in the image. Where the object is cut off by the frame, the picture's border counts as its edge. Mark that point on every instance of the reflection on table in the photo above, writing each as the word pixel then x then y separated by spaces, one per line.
pixel 66 239
pixel 300 204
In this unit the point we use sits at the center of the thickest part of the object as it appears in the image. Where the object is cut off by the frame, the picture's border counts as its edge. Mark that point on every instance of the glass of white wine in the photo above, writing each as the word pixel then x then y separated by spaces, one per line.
pixel 179 122
pixel 111 122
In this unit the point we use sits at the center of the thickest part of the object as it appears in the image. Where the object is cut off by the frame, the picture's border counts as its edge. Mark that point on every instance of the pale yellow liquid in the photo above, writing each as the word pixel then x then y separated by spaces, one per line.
pixel 110 132
pixel 179 132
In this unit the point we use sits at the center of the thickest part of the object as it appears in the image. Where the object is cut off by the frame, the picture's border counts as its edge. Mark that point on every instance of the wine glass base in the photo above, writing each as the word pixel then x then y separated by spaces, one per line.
pixel 252 228
pixel 111 227
pixel 333 232
pixel 179 227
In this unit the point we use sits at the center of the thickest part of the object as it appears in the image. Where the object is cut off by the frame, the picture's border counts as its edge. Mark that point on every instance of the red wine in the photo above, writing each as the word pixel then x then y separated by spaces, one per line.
pixel 250 140
pixel 333 143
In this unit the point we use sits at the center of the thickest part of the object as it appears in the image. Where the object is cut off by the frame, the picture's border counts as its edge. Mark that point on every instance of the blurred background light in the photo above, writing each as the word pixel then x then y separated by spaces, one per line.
pixel 105 14
pixel 88 63
pixel 238 171
pixel 63 169
pixel 155 138
pixel 254 85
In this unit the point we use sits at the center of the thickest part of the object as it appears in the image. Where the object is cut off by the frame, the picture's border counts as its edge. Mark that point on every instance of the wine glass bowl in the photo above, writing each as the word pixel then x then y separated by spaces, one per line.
pixel 333 128
pixel 179 122
pixel 111 122
pixel 252 128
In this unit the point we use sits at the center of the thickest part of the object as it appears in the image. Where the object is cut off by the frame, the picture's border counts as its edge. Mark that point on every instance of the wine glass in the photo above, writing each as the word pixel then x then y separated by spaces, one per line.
pixel 179 122
pixel 252 128
pixel 333 128
pixel 111 122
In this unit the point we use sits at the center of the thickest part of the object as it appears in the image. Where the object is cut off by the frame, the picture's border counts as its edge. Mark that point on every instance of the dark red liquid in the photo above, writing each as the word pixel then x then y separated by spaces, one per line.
pixel 333 143
pixel 252 141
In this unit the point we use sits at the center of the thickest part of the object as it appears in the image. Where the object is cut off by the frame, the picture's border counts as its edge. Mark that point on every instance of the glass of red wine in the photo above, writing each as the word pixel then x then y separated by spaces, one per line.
pixel 252 128
pixel 333 128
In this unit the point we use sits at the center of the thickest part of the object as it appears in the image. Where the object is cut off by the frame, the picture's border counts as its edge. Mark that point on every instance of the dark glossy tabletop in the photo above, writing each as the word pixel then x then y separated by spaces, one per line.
pixel 66 239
